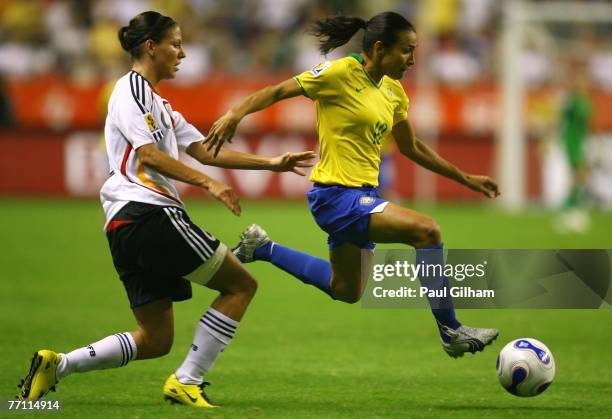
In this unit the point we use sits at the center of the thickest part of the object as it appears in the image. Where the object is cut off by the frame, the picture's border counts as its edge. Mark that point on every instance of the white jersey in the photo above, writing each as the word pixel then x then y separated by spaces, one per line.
pixel 137 115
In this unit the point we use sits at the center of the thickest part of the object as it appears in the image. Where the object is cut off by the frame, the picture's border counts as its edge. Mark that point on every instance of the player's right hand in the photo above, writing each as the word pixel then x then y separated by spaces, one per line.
pixel 222 130
pixel 483 184
pixel 225 194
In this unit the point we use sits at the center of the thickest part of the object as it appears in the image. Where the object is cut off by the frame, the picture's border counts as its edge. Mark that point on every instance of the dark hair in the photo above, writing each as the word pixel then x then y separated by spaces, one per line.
pixel 338 30
pixel 147 25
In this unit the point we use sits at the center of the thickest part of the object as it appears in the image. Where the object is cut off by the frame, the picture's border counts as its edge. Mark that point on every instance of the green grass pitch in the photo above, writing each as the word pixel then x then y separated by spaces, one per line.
pixel 297 354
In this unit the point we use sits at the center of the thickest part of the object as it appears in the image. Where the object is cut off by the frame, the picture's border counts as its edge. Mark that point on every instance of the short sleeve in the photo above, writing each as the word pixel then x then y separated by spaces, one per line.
pixel 135 122
pixel 401 110
pixel 321 80
pixel 185 132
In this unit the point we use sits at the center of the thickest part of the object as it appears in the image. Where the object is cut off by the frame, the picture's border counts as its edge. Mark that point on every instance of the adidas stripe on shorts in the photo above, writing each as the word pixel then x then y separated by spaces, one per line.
pixel 154 248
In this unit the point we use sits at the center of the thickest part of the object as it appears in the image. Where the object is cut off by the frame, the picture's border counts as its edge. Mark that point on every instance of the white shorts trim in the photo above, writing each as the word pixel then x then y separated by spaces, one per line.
pixel 204 273
pixel 380 207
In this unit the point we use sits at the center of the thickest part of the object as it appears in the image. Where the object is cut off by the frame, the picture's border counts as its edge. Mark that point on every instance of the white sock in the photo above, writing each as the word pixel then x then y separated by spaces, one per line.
pixel 111 352
pixel 212 335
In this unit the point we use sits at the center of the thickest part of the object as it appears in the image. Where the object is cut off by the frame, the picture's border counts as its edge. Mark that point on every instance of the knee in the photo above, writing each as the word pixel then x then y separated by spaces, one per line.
pixel 250 286
pixel 345 294
pixel 247 286
pixel 164 347
pixel 428 233
pixel 157 344
pixel 349 298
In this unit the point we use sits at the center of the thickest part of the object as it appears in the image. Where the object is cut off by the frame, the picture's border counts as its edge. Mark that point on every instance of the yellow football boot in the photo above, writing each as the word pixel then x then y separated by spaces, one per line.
pixel 188 394
pixel 41 378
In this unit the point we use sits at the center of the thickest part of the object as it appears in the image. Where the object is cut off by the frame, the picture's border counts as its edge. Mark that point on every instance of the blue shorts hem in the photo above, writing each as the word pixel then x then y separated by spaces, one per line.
pixel 344 213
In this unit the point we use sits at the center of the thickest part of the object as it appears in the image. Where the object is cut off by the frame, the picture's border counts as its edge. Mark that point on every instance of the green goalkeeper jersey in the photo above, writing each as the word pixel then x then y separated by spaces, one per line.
pixel 574 126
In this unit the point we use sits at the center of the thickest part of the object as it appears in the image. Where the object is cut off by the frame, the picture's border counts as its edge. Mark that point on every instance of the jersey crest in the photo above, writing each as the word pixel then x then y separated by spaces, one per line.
pixel 150 120
pixel 318 69
pixel 152 125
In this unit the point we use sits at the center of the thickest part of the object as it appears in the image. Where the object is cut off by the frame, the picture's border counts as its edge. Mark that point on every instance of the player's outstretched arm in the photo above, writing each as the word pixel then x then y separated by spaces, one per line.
pixel 231 159
pixel 163 163
pixel 413 148
pixel 223 129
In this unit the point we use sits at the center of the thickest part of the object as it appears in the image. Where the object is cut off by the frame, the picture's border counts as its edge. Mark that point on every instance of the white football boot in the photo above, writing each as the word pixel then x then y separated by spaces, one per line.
pixel 251 238
pixel 467 339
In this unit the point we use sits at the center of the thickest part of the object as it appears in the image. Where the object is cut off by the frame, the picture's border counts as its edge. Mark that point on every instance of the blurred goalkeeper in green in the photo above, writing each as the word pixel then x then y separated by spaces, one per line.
pixel 574 120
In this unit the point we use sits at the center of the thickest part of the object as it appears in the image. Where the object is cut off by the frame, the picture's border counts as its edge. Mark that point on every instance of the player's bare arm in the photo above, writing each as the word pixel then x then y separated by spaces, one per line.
pixel 153 157
pixel 417 151
pixel 224 128
pixel 231 159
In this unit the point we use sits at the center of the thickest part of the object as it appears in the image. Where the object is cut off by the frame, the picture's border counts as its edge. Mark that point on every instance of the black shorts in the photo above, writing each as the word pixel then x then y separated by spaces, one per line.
pixel 153 248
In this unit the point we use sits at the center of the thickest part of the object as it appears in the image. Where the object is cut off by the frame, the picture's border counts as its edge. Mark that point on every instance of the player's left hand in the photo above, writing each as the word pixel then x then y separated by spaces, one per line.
pixel 483 184
pixel 222 131
pixel 292 162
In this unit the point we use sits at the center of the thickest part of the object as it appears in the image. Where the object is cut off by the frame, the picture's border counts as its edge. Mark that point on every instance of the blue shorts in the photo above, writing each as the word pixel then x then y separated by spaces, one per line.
pixel 344 213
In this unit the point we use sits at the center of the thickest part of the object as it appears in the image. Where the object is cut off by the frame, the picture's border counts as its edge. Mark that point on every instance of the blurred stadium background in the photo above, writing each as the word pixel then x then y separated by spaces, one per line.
pixel 487 92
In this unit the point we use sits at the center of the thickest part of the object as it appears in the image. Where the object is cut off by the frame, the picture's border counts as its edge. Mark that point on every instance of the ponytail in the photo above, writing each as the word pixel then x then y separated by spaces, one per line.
pixel 336 31
pixel 123 40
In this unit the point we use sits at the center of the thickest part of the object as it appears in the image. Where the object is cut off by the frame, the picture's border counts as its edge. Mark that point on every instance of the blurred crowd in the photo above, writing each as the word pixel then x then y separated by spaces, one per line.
pixel 79 37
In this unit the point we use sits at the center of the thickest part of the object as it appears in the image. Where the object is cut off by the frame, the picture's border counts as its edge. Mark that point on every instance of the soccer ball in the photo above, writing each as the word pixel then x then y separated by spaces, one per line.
pixel 525 367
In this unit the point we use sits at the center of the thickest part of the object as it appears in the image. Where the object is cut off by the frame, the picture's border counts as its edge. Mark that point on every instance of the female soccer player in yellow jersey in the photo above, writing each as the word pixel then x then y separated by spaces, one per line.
pixel 359 101
pixel 157 250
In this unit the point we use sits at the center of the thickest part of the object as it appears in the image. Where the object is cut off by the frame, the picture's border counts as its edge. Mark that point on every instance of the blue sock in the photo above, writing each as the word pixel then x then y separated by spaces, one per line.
pixel 307 268
pixel 441 307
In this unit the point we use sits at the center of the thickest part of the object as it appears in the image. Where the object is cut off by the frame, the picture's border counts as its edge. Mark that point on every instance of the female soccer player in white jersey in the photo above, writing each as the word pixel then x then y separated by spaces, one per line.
pixel 157 250
pixel 359 101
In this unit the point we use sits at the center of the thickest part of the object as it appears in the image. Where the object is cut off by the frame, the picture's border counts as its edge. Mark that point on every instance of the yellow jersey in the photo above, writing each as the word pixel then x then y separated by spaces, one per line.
pixel 354 115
